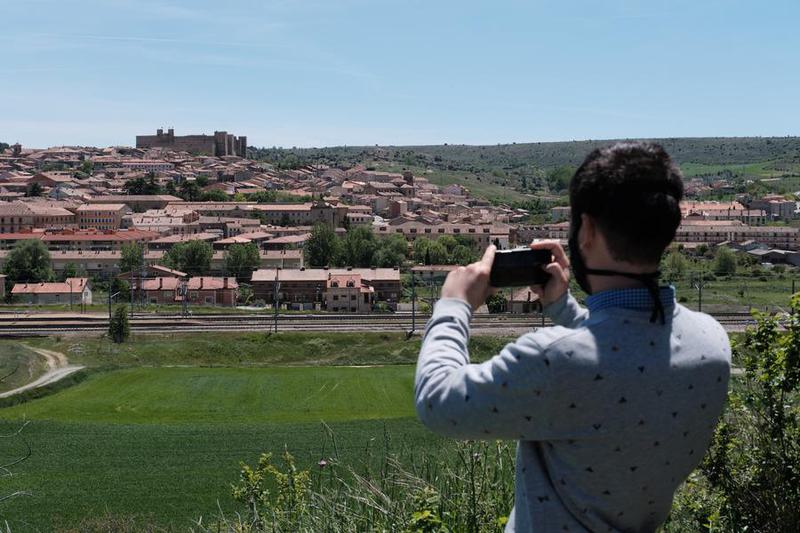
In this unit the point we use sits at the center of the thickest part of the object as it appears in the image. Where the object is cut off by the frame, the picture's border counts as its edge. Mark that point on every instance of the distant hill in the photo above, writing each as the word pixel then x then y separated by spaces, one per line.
pixel 502 172
pixel 705 150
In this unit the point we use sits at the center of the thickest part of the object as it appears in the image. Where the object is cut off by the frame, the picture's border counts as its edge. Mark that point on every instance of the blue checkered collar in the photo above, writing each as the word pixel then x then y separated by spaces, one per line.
pixel 637 299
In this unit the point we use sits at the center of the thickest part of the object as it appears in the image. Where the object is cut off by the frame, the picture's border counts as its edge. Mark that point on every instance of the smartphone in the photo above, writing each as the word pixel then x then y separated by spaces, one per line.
pixel 519 267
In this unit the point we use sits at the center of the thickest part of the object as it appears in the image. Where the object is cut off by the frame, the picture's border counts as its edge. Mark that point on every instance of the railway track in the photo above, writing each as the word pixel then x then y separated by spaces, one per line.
pixel 31 324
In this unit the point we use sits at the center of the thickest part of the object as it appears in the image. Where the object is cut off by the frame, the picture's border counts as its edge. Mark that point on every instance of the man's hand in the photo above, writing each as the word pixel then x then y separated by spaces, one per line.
pixel 558 270
pixel 471 283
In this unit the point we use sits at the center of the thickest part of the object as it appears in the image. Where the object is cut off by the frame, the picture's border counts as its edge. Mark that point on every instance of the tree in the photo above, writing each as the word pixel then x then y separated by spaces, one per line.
pixel 391 251
pixel 121 288
pixel 131 257
pixel 87 167
pixel 192 257
pixel 143 186
pixel 242 259
pixel 214 195
pixel 496 303
pixel 358 247
pixel 437 254
pixel 262 197
pixel 725 261
pixel 190 191
pixel 558 179
pixel 169 188
pixel 463 255
pixel 420 250
pixel 34 189
pixel 28 261
pixel 676 265
pixel 323 246
pixel 201 181
pixel 285 220
pixel 118 327
pixel 449 242
pixel 70 271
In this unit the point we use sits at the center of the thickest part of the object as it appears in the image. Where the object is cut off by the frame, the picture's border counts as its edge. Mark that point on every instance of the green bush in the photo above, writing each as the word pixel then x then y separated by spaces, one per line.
pixel 469 490
pixel 750 477
pixel 118 327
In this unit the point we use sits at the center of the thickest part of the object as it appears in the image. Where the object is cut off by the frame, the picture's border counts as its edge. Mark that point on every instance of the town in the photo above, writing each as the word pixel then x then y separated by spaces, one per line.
pixel 191 220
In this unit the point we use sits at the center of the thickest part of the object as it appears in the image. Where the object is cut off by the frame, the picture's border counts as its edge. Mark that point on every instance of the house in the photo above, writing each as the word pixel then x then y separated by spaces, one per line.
pixel 307 285
pixel 522 300
pixel 162 290
pixel 348 293
pixel 71 291
pixel 207 290
pixel 200 290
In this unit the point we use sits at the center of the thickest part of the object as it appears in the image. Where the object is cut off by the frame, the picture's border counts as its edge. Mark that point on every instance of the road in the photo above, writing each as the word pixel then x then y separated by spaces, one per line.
pixel 57 368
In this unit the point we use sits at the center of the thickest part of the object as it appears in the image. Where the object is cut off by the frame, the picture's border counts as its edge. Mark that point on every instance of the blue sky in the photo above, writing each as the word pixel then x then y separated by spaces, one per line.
pixel 362 72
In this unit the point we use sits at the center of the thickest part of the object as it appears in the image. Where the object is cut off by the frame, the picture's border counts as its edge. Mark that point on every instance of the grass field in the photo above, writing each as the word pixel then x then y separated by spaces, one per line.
pixel 171 475
pixel 156 433
pixel 229 395
pixel 165 443
pixel 250 349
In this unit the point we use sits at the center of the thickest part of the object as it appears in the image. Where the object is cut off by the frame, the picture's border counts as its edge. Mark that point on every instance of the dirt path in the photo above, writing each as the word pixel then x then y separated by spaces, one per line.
pixel 57 368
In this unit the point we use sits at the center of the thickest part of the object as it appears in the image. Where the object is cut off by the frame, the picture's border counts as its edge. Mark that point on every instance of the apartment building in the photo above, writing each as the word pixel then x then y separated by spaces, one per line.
pixel 483 235
pixel 21 216
pixel 101 216
pixel 308 285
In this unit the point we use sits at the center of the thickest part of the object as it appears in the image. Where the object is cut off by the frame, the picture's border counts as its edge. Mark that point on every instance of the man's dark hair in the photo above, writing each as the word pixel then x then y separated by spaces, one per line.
pixel 632 190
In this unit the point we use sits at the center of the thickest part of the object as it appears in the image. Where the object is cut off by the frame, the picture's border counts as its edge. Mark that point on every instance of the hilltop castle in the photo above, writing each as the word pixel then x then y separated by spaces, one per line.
pixel 220 144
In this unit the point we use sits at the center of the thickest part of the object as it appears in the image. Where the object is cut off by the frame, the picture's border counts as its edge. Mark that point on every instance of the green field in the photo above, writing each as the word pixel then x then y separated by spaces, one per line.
pixel 229 395
pixel 158 428
pixel 250 349
pixel 165 443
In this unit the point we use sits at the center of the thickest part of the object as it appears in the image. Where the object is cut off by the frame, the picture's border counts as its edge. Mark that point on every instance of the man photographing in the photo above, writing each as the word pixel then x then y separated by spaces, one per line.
pixel 615 405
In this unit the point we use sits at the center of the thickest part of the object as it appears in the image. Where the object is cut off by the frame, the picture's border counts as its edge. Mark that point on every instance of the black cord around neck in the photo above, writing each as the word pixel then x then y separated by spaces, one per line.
pixel 648 279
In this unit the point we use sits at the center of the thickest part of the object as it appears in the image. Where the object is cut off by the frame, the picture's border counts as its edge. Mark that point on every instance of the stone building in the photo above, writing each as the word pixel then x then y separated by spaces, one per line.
pixel 220 144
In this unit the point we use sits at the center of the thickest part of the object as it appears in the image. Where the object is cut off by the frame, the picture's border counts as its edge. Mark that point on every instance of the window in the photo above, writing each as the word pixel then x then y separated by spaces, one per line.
pixel 352 296
pixel 335 297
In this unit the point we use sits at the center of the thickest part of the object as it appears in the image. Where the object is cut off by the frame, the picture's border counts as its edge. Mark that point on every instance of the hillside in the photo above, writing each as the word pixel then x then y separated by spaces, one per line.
pixel 502 172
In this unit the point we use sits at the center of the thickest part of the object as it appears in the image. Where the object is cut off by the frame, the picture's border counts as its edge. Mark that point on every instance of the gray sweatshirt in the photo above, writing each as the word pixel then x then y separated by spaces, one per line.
pixel 611 412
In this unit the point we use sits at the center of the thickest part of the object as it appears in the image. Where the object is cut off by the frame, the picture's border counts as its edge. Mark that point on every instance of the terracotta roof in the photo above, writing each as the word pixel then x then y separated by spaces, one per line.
pixel 74 285
pixel 204 236
pixel 370 275
pixel 210 283
pixel 102 207
pixel 289 239
pixel 161 284
pixel 119 236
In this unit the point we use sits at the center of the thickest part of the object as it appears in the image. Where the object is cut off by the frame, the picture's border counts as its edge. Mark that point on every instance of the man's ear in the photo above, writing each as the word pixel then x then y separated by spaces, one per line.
pixel 587 235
